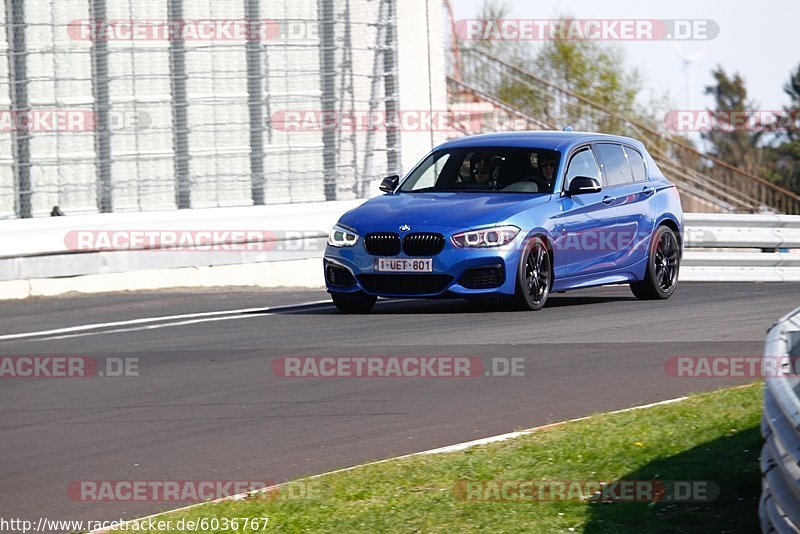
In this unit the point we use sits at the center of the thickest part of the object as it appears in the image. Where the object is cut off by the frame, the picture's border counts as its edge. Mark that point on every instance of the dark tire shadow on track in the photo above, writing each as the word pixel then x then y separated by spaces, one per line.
pixel 580 300
pixel 461 306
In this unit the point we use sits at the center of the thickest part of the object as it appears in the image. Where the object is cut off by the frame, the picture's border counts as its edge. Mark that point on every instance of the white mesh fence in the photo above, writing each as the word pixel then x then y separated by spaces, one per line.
pixel 136 105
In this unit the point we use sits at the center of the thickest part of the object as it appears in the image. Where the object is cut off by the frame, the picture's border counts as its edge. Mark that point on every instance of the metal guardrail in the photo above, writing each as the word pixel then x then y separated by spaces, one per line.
pixel 767 231
pixel 40 248
pixel 741 247
pixel 779 508
pixel 718 247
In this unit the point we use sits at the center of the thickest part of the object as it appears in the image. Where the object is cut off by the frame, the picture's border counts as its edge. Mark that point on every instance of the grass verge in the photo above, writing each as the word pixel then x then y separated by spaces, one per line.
pixel 711 437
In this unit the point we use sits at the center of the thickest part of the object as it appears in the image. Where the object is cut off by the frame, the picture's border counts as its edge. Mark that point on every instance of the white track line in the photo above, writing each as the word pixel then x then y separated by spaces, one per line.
pixel 440 450
pixel 511 435
pixel 154 326
pixel 214 316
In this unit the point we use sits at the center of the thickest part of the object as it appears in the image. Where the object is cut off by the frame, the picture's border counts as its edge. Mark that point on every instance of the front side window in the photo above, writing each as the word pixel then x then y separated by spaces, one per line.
pixel 433 168
pixel 582 164
pixel 481 170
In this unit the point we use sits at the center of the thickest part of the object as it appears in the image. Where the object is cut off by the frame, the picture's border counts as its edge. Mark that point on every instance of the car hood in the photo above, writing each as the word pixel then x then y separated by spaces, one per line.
pixel 455 210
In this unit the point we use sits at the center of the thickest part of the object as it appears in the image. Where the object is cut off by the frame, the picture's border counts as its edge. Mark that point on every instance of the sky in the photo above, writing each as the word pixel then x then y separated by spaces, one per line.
pixel 760 41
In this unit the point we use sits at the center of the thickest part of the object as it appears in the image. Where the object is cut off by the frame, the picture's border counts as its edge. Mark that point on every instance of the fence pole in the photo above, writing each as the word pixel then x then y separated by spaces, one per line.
pixel 18 87
pixel 390 87
pixel 374 98
pixel 180 105
pixel 255 97
pixel 102 107
pixel 327 62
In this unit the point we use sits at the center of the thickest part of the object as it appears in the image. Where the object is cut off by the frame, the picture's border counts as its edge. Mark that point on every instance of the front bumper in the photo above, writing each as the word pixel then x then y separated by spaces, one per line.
pixel 446 280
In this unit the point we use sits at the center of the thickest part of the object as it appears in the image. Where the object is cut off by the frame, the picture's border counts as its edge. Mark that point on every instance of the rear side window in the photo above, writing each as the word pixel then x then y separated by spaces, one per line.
pixel 637 164
pixel 614 164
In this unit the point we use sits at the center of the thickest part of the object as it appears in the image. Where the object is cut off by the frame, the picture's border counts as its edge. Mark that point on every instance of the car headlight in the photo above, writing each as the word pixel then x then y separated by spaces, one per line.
pixel 488 237
pixel 342 237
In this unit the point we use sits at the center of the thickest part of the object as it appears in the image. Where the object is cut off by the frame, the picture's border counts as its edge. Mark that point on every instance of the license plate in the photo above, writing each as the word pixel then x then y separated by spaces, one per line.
pixel 404 265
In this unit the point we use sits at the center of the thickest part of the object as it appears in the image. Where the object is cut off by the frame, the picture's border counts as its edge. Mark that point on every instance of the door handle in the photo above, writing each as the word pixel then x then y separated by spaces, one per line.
pixel 608 200
pixel 647 190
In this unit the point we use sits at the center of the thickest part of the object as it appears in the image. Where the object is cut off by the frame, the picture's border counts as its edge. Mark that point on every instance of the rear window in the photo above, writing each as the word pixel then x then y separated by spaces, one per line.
pixel 614 164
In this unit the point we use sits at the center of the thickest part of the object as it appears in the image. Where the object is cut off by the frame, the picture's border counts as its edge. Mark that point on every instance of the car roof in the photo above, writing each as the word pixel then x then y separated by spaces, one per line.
pixel 547 139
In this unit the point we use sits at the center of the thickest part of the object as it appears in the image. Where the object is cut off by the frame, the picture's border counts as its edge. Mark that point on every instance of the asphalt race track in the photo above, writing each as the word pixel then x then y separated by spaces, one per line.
pixel 206 404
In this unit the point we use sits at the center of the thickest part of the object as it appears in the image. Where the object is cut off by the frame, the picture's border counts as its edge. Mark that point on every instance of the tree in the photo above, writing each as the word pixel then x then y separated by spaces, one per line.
pixel 785 155
pixel 594 71
pixel 737 147
pixel 493 11
pixel 549 71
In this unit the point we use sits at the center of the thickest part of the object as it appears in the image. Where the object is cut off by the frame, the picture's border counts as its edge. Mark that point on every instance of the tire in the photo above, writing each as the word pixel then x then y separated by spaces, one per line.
pixel 663 264
pixel 358 302
pixel 534 276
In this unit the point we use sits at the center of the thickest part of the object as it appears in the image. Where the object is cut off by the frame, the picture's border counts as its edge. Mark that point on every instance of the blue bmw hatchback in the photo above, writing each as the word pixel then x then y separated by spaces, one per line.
pixel 512 217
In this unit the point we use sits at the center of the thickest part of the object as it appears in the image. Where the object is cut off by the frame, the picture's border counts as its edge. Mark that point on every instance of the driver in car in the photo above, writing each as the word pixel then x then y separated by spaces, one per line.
pixel 547 169
pixel 481 168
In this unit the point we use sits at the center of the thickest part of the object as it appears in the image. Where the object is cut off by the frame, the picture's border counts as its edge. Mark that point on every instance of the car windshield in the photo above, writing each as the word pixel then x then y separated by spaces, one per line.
pixel 481 170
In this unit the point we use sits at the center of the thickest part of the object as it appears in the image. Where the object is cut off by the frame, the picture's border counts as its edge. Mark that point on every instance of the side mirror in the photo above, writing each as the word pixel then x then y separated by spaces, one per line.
pixel 389 184
pixel 580 185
